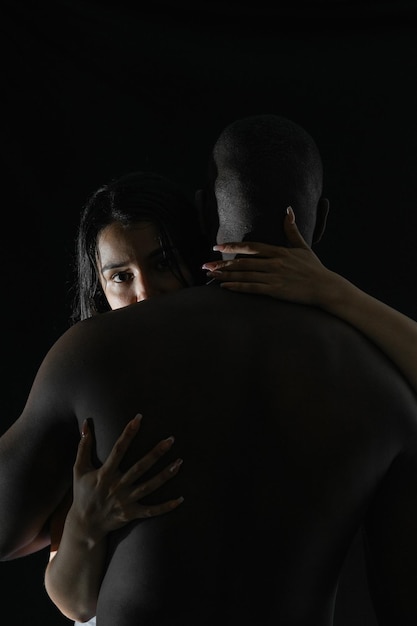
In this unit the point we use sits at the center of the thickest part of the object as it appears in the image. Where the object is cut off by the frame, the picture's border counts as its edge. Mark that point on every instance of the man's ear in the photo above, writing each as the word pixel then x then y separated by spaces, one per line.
pixel 323 207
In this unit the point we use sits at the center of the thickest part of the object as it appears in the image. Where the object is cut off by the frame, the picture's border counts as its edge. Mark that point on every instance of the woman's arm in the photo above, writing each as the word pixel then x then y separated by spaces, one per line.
pixel 104 499
pixel 296 274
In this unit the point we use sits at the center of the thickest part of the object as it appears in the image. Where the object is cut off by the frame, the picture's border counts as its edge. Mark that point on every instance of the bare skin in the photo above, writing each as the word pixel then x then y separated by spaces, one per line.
pixel 104 500
pixel 297 275
pixel 132 269
pixel 131 264
pixel 303 434
pixel 296 437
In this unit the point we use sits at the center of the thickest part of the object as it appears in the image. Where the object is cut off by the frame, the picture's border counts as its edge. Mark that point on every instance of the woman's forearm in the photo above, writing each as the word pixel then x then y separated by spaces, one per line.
pixel 393 332
pixel 73 575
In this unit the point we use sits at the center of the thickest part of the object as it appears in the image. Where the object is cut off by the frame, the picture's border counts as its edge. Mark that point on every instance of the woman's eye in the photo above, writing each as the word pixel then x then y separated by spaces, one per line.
pixel 121 277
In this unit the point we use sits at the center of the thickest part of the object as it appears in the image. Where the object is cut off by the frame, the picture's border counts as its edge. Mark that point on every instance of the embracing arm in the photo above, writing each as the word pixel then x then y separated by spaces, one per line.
pixel 393 332
pixel 36 458
pixel 297 275
pixel 104 499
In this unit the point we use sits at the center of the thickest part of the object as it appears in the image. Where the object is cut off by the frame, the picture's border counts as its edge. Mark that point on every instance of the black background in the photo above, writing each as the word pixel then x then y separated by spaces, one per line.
pixel 92 90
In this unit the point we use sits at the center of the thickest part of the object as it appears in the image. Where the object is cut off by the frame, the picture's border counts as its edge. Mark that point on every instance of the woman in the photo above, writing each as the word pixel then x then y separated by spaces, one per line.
pixel 138 237
pixel 109 224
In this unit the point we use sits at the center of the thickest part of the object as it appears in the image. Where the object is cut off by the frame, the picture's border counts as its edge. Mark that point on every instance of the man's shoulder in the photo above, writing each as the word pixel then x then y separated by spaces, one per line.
pixel 191 307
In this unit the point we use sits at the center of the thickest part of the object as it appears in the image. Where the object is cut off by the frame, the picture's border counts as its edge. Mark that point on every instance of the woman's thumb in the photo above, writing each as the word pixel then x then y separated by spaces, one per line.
pixel 294 237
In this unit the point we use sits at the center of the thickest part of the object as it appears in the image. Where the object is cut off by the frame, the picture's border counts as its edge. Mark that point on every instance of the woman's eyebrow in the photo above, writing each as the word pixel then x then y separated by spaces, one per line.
pixel 115 264
pixel 112 266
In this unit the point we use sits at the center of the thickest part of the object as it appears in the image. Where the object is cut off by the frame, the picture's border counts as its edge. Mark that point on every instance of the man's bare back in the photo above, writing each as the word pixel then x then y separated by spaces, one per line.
pixel 294 430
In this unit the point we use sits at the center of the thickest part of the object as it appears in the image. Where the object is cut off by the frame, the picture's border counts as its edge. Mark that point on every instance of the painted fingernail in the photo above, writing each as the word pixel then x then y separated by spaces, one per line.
pixel 84 429
pixel 134 423
pixel 291 214
pixel 165 444
pixel 175 465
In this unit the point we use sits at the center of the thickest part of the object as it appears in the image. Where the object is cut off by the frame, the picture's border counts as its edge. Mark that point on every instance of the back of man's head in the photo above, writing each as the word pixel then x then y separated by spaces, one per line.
pixel 260 165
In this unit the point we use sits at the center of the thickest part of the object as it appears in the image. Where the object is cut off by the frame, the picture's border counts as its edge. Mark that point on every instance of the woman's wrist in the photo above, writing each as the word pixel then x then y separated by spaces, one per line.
pixel 80 531
pixel 334 293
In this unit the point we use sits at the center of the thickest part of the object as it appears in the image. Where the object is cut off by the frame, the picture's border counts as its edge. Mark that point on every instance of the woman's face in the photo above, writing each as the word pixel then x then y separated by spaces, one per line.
pixel 131 264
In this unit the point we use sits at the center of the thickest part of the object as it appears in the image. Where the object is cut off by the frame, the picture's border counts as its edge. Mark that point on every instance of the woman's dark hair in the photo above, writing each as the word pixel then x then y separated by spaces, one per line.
pixel 135 197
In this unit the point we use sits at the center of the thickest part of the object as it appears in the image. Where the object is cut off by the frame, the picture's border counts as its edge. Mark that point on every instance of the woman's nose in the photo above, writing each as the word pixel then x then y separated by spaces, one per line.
pixel 144 289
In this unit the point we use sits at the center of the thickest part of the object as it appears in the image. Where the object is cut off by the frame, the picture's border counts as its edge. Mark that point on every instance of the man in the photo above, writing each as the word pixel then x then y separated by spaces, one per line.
pixel 294 429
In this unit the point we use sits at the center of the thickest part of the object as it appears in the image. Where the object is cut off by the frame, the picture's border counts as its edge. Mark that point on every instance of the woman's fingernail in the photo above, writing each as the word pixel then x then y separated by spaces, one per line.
pixel 134 423
pixel 84 429
pixel 291 214
pixel 175 465
pixel 167 443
